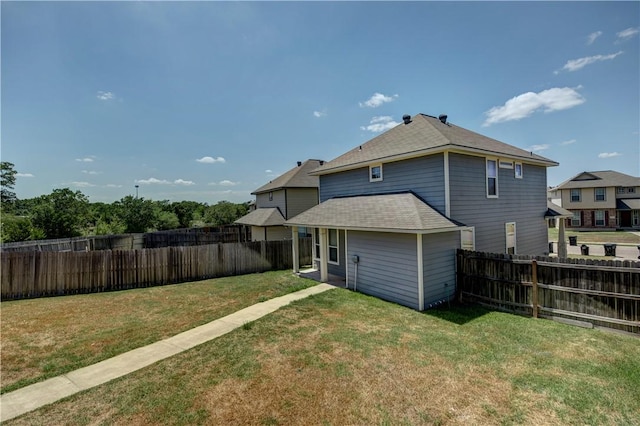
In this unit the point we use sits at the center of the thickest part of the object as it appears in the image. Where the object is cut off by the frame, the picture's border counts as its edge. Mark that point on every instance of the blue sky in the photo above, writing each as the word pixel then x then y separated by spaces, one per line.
pixel 208 101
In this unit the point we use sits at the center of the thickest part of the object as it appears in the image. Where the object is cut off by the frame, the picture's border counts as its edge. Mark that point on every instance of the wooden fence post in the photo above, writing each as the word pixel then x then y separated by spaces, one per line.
pixel 534 290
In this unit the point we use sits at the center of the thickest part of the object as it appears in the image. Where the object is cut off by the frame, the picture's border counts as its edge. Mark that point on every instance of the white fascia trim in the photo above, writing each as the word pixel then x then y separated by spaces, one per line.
pixel 389 230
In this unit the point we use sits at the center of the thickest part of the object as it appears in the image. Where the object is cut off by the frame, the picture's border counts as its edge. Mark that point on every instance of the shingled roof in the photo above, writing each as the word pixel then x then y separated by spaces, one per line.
pixel 262 217
pixel 404 213
pixel 425 135
pixel 599 179
pixel 298 177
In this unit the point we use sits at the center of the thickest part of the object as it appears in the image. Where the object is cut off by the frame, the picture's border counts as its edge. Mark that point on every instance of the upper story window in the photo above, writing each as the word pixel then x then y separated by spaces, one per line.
pixel 621 190
pixel 631 190
pixel 504 164
pixel 375 173
pixel 626 190
pixel 576 195
pixel 271 196
pixel 600 194
pixel 518 171
pixel 492 178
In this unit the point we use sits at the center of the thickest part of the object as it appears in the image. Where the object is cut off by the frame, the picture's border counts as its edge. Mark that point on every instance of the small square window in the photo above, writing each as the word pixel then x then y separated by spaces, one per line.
pixel 631 190
pixel 375 173
pixel 620 189
pixel 518 171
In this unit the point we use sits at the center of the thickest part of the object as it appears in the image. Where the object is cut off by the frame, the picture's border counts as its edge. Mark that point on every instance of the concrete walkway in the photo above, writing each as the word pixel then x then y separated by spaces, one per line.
pixel 31 397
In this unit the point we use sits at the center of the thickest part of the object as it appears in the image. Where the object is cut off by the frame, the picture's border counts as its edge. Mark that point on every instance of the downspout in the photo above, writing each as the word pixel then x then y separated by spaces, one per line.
pixel 420 272
pixel 447 195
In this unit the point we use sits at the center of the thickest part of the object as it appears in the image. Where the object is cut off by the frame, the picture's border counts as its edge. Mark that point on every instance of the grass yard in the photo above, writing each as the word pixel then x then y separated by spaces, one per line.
pixel 616 237
pixel 345 358
pixel 43 338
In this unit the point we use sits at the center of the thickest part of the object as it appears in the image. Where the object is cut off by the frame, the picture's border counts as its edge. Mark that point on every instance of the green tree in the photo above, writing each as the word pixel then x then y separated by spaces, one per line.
pixel 15 228
pixel 224 213
pixel 186 211
pixel 166 220
pixel 61 214
pixel 137 214
pixel 7 183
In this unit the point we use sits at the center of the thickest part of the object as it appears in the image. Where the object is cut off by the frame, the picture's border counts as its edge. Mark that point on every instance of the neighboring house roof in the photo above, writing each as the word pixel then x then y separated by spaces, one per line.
pixel 383 213
pixel 554 210
pixel 298 177
pixel 262 217
pixel 628 204
pixel 599 179
pixel 425 135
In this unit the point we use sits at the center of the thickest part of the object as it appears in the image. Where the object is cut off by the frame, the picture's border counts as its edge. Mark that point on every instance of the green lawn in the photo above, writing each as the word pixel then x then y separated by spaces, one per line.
pixel 345 358
pixel 616 237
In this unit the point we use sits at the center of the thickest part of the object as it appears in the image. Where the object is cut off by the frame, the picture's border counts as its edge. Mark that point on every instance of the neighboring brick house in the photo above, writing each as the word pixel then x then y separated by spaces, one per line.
pixel 394 210
pixel 282 198
pixel 601 200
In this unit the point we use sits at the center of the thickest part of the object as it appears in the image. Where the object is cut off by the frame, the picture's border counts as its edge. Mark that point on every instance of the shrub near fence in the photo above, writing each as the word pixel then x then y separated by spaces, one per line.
pixel 603 294
pixel 38 274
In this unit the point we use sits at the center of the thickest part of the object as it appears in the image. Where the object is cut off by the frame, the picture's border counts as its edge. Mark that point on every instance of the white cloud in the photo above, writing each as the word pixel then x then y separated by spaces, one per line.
pixel 319 114
pixel 535 148
pixel 183 182
pixel 376 100
pixel 608 154
pixel 86 159
pixel 153 181
pixel 91 172
pixel 577 64
pixel 105 96
pixel 112 185
pixel 82 184
pixel 521 106
pixel 227 183
pixel 211 160
pixel 569 142
pixel 593 36
pixel 268 171
pixel 628 33
pixel 24 175
pixel 380 124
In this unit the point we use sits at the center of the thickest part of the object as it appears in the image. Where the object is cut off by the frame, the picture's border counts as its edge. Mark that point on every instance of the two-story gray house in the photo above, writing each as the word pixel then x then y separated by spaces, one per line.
pixel 393 210
pixel 283 197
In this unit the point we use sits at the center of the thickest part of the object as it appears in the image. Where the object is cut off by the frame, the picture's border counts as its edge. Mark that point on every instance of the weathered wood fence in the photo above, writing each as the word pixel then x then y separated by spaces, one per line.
pixel 39 274
pixel 602 294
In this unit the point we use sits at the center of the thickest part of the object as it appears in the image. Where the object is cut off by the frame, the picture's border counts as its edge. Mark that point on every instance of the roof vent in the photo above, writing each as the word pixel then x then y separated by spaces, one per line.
pixel 406 118
pixel 299 163
pixel 443 118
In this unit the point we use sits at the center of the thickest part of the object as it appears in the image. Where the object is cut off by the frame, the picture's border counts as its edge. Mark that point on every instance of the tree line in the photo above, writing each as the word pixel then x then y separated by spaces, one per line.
pixel 65 213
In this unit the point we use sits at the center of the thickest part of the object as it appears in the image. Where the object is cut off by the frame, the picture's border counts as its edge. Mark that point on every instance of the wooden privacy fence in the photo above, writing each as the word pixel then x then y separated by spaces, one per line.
pixel 603 294
pixel 38 274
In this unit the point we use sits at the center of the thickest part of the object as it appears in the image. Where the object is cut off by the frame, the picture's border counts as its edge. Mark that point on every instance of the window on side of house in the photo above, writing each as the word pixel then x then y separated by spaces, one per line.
pixel 636 217
pixel 375 173
pixel 620 190
pixel 631 190
pixel 575 220
pixel 576 195
pixel 504 164
pixel 518 171
pixel 600 194
pixel 467 239
pixel 271 196
pixel 333 245
pixel 492 178
pixel 316 244
pixel 510 235
pixel 599 217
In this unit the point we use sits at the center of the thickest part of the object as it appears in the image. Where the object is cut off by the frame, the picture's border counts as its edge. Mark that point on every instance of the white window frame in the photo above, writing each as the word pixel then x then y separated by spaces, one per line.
pixel 316 245
pixel 468 243
pixel 518 171
pixel 506 164
pixel 576 219
pixel 631 190
pixel 636 218
pixel 371 170
pixel 487 177
pixel 579 191
pixel 336 247
pixel 510 237
pixel 595 218
pixel 271 196
pixel 621 190
pixel 595 194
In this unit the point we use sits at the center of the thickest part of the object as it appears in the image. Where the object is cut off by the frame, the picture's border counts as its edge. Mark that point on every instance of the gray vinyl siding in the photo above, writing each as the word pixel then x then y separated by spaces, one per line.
pixel 424 176
pixel 439 267
pixel 262 200
pixel 388 266
pixel 523 201
pixel 299 200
